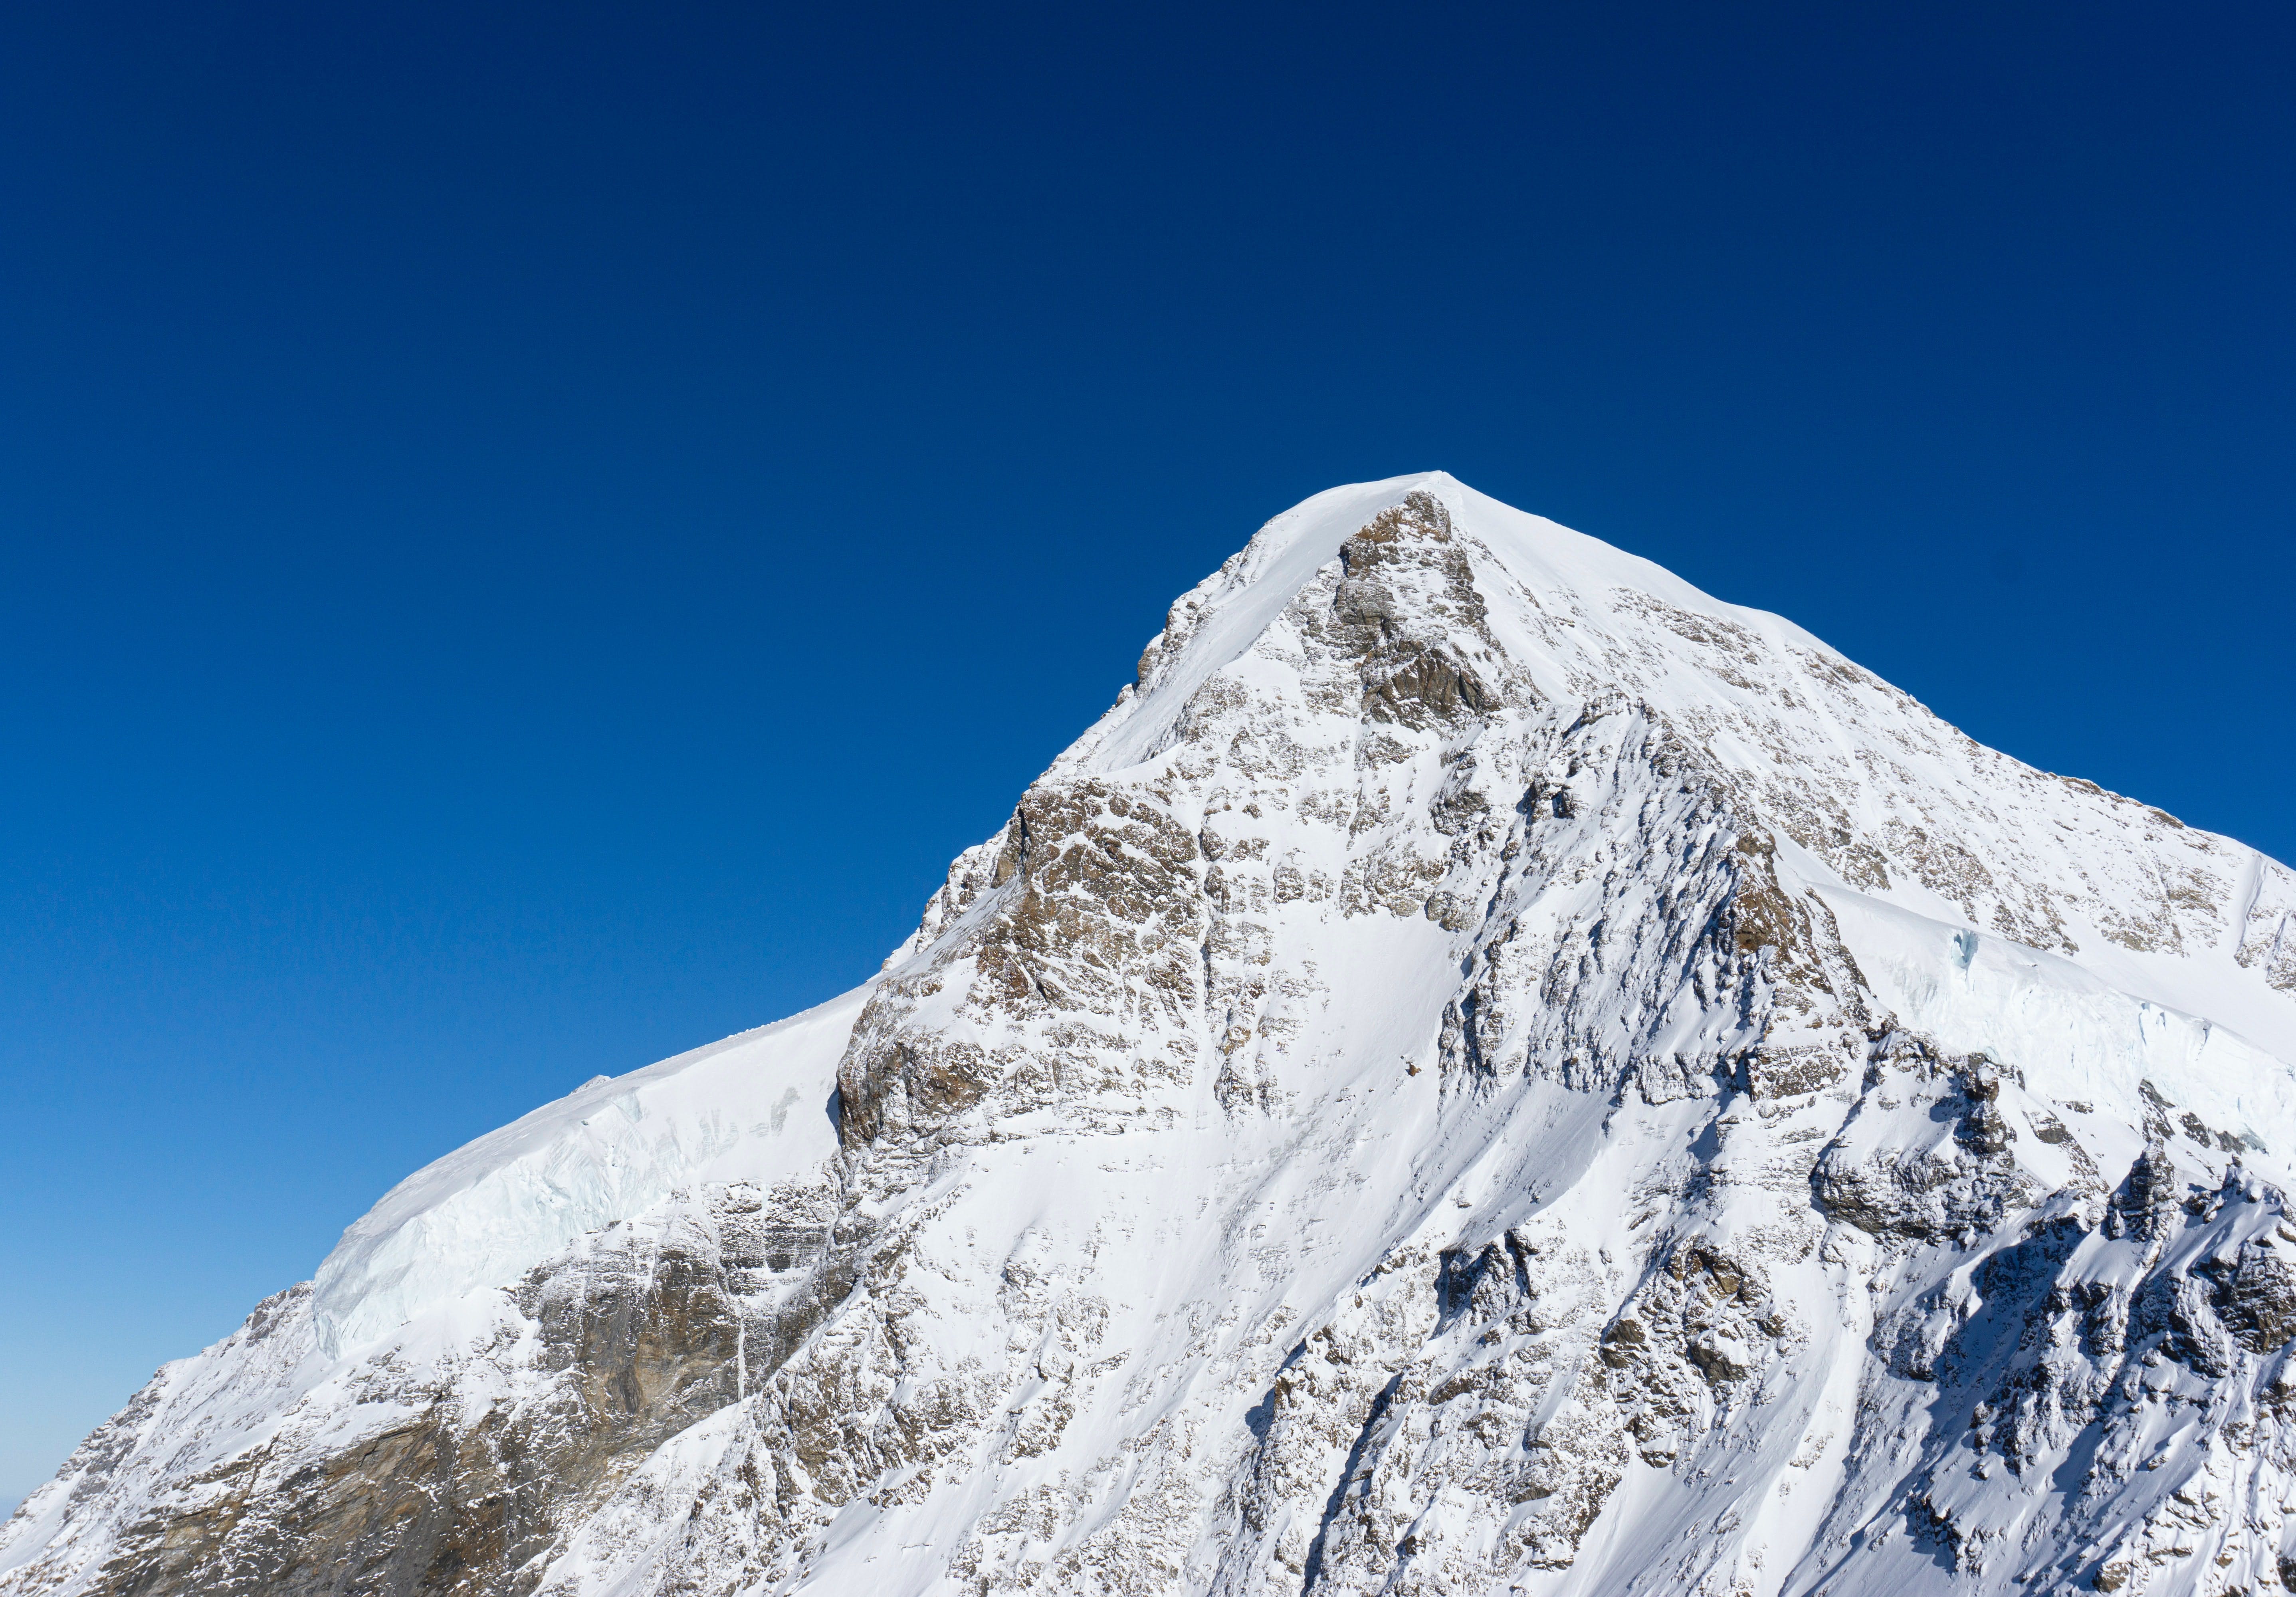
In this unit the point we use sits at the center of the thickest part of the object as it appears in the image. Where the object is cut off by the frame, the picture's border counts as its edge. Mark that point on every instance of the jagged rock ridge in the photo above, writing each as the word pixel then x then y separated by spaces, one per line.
pixel 1487 1071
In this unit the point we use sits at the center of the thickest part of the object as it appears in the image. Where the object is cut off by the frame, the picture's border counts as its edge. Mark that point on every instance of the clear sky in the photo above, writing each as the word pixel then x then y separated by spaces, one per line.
pixel 529 535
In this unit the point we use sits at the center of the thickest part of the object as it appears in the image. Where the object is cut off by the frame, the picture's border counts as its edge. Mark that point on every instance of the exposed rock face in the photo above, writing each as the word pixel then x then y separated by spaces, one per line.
pixel 638 1334
pixel 1487 1071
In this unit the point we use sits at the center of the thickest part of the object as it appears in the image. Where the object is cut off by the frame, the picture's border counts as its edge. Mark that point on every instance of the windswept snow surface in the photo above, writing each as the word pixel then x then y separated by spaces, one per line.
pixel 756 1106
pixel 2066 1030
pixel 1487 1070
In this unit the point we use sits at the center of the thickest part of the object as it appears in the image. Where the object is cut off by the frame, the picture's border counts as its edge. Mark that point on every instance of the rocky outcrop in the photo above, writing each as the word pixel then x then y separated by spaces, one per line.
pixel 393 1484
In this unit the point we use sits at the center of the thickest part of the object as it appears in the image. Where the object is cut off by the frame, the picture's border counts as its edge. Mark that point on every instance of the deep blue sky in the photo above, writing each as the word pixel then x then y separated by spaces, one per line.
pixel 529 533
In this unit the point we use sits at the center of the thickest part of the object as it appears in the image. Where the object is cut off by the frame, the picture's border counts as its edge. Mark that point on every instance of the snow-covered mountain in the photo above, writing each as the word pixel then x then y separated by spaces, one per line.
pixel 1487 1071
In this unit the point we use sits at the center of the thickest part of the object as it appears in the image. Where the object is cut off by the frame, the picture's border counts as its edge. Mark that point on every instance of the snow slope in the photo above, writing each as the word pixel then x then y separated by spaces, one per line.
pixel 1488 1069
pixel 754 1107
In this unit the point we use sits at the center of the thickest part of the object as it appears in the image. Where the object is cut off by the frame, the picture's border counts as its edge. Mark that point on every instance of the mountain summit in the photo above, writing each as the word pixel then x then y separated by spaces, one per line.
pixel 1487 1070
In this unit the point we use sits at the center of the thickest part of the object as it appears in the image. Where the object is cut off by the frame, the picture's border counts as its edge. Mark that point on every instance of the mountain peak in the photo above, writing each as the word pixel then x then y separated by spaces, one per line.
pixel 1487 1069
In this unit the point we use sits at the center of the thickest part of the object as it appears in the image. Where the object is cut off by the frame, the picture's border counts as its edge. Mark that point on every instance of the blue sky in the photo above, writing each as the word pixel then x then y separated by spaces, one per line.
pixel 529 535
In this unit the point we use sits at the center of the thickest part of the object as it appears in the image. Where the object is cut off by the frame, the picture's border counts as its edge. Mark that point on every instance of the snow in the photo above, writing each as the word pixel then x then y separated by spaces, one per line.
pixel 1096 1283
pixel 2072 1034
pixel 754 1107
pixel 1231 609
